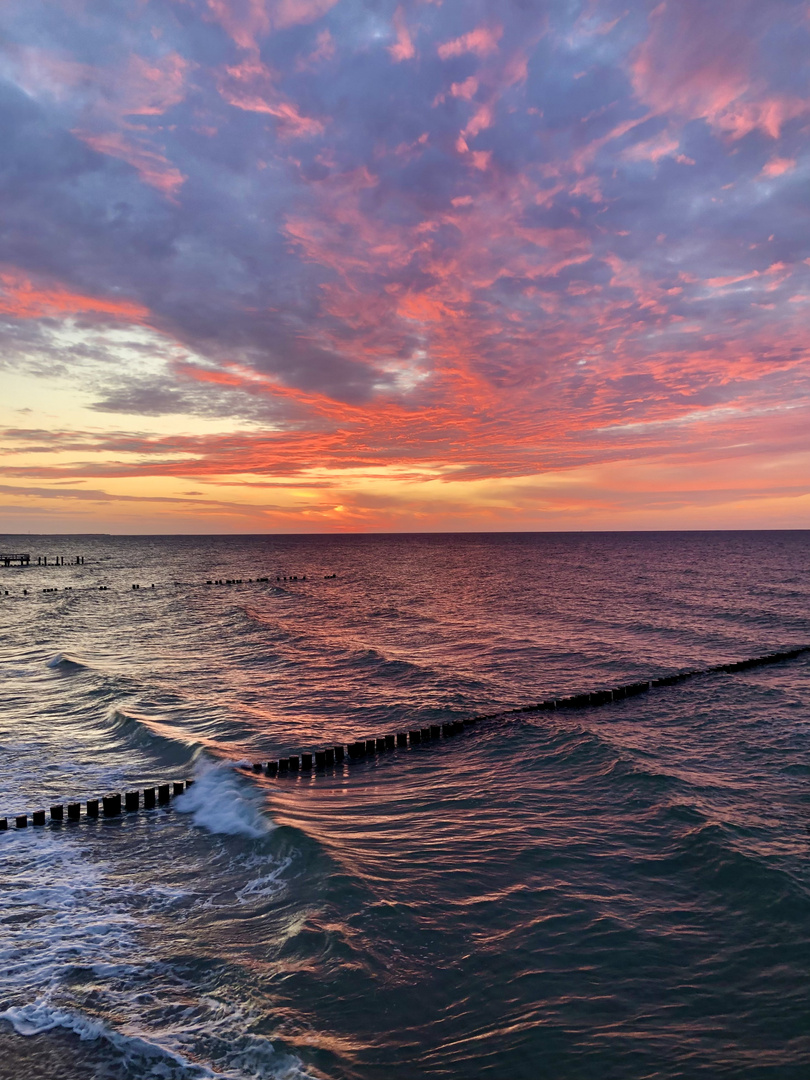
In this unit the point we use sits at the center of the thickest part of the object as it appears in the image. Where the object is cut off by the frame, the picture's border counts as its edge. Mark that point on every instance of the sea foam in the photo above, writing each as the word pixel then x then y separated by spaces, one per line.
pixel 222 801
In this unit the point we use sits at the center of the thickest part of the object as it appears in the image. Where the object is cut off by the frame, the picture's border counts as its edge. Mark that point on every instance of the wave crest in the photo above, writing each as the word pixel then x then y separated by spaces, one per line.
pixel 221 801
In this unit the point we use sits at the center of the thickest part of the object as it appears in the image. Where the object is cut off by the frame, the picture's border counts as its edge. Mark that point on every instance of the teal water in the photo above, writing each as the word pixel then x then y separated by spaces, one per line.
pixel 616 892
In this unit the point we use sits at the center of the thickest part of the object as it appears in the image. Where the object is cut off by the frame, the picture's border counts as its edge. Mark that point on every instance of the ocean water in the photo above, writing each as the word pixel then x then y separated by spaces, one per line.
pixel 620 892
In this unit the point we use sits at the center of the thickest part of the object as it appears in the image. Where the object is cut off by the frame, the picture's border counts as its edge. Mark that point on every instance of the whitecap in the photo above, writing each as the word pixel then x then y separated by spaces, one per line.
pixel 221 801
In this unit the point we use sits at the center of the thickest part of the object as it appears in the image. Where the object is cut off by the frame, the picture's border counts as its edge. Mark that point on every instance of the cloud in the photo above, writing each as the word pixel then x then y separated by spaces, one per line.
pixel 481 41
pixel 108 100
pixel 251 86
pixel 403 48
pixel 26 299
pixel 410 245
pixel 152 167
pixel 249 21
pixel 704 63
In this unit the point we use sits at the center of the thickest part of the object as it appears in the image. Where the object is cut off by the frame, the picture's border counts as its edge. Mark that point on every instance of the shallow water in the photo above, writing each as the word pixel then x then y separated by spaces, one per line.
pixel 615 892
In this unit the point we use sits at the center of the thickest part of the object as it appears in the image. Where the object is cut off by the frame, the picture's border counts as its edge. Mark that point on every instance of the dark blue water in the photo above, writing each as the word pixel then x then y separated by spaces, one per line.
pixel 616 893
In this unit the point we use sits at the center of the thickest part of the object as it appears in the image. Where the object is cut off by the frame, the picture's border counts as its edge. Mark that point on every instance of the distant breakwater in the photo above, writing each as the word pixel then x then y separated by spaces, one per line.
pixel 319 761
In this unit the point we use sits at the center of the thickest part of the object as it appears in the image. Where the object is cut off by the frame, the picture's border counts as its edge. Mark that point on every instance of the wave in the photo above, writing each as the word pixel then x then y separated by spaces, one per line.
pixel 171 745
pixel 222 801
pixel 63 662
pixel 342 655
pixel 141 1056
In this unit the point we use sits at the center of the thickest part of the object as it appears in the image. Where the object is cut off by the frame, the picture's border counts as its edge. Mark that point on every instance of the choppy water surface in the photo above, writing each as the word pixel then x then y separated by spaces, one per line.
pixel 615 893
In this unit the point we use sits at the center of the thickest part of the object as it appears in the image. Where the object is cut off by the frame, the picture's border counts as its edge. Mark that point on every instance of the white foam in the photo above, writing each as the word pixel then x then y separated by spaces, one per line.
pixel 70 911
pixel 66 910
pixel 221 801
pixel 40 1015
pixel 265 886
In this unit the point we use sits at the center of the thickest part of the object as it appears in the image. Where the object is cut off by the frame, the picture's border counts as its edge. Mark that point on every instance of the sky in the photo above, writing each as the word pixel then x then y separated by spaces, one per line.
pixel 428 265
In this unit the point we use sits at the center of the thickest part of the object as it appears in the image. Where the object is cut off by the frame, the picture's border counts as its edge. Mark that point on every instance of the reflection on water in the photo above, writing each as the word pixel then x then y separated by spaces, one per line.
pixel 619 892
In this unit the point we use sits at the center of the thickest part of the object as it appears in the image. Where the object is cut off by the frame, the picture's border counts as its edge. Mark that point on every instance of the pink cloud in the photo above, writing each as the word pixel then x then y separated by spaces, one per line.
pixel 152 167
pixel 768 115
pixel 465 90
pixel 138 87
pixel 247 22
pixel 479 121
pixel 482 41
pixel 778 270
pixel 324 50
pixel 698 64
pixel 662 145
pixel 778 166
pixel 251 86
pixel 403 49
pixel 106 97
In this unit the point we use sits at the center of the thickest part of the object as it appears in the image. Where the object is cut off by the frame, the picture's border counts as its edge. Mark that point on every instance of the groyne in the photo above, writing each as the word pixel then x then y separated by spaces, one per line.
pixel 327 758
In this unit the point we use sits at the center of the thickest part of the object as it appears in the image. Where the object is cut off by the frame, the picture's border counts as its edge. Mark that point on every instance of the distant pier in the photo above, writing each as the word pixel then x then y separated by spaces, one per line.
pixel 8 559
pixel 24 559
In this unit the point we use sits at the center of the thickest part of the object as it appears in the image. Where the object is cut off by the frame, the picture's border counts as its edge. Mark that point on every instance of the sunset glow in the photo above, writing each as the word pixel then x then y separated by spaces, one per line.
pixel 321 265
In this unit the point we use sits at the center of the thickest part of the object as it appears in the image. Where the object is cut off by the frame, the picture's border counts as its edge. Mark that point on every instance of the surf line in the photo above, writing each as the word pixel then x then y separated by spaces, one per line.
pixel 115 804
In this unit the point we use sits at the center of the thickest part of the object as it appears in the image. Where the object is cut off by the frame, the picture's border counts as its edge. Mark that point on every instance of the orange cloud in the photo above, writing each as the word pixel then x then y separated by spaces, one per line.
pixel 24 299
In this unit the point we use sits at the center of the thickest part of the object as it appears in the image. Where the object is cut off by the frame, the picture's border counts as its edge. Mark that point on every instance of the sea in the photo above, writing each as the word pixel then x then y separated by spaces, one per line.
pixel 617 893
